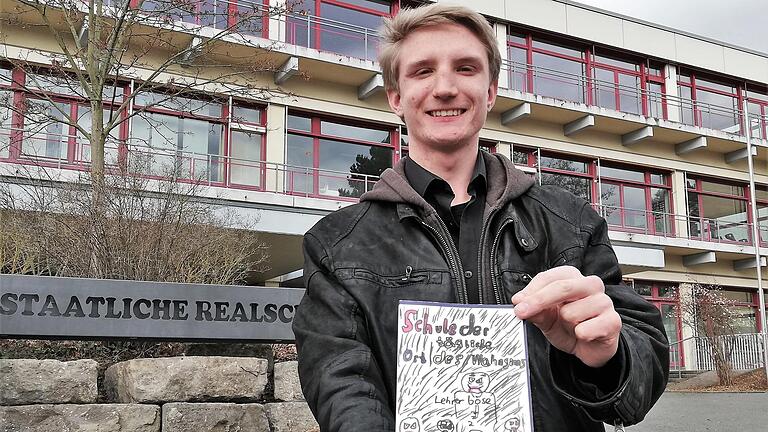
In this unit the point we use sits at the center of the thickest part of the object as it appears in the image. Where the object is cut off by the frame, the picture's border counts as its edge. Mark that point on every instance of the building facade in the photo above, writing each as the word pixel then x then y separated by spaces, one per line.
pixel 648 124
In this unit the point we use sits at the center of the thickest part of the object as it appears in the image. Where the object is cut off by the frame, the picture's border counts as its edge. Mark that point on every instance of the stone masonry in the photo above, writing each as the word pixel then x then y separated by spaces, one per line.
pixel 182 394
pixel 181 379
pixel 47 381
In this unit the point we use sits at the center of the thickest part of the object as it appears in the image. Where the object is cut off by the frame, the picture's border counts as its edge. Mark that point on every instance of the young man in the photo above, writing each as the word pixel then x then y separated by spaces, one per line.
pixel 450 223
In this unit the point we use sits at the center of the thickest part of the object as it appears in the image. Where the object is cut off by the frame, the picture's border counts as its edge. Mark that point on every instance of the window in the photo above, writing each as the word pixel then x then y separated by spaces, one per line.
pixel 336 158
pixel 757 103
pixel 247 146
pixel 348 27
pixel 569 173
pixel 717 211
pixel 249 17
pixel 635 199
pixel 761 198
pixel 664 297
pixel 631 86
pixel 708 103
pixel 45 126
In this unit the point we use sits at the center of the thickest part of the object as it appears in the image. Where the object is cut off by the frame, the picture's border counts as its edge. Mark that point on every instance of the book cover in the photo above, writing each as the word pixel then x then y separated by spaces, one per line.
pixel 461 368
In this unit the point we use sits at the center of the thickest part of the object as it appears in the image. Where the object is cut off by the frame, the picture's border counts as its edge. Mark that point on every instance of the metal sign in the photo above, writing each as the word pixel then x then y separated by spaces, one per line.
pixel 37 307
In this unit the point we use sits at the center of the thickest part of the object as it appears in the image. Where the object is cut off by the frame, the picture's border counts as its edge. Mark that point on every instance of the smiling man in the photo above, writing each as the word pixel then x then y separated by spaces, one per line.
pixel 450 223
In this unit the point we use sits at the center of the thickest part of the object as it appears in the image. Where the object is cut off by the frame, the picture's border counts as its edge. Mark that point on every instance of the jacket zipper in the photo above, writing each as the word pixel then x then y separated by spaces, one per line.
pixel 494 278
pixel 454 264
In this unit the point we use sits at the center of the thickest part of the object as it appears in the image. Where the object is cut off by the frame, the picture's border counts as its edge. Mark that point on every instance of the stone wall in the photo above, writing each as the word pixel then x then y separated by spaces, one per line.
pixel 175 394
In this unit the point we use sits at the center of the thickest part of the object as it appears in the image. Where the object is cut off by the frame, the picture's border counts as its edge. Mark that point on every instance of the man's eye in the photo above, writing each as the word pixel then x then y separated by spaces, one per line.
pixel 466 69
pixel 422 71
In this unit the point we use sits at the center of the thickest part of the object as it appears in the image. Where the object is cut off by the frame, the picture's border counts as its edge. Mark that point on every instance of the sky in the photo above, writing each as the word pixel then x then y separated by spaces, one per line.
pixel 742 23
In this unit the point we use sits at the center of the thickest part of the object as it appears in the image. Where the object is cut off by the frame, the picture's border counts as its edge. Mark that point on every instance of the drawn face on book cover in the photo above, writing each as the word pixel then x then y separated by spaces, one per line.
pixel 410 424
pixel 475 382
pixel 445 425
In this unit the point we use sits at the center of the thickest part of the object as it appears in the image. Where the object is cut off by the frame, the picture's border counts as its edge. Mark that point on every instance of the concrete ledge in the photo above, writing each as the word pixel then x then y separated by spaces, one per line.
pixel 81 418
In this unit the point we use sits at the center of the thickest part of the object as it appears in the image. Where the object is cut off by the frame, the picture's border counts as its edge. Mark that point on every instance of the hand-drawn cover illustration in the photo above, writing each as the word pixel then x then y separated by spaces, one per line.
pixel 461 368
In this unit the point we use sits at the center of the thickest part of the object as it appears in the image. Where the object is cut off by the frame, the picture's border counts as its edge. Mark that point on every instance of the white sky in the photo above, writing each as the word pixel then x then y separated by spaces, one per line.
pixel 737 22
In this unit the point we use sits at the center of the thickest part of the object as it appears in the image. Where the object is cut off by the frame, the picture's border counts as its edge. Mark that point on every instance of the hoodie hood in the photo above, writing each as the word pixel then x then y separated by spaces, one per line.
pixel 505 183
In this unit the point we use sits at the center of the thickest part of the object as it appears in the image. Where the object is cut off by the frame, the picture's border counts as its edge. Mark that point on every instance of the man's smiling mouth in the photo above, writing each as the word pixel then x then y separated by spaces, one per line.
pixel 446 113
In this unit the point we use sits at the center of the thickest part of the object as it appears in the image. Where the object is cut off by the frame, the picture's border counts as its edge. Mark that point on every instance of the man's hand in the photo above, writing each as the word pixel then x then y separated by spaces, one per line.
pixel 573 312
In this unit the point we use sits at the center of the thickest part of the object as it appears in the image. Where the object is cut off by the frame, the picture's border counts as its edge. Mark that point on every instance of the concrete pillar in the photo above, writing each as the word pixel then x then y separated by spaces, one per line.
pixel 278 23
pixel 276 147
pixel 685 291
pixel 680 209
pixel 670 86
pixel 501 40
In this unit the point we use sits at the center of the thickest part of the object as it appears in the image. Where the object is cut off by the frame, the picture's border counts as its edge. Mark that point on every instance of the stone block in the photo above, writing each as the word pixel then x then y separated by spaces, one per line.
pixel 26 381
pixel 291 417
pixel 287 386
pixel 214 417
pixel 80 418
pixel 187 379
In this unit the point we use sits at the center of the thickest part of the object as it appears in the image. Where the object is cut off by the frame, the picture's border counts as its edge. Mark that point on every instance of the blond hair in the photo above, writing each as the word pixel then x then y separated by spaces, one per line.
pixel 396 29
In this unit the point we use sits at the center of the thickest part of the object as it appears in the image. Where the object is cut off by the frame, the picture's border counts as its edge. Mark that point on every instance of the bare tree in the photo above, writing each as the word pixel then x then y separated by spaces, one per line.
pixel 154 230
pixel 179 46
pixel 710 313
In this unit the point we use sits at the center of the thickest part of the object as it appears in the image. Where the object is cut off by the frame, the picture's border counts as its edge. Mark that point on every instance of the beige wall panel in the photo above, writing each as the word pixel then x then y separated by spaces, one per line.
pixel 743 64
pixel 683 277
pixel 544 14
pixel 594 27
pixel 649 40
pixel 699 53
pixel 488 7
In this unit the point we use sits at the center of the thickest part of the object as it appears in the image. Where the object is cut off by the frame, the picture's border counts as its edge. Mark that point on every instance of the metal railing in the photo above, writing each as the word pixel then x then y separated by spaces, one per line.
pixel 330 35
pixel 742 351
pixel 632 99
pixel 210 169
pixel 716 230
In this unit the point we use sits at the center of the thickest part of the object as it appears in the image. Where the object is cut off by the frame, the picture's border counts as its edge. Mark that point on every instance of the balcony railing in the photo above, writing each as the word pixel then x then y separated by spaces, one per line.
pixel 679 226
pixel 608 94
pixel 333 36
pixel 209 169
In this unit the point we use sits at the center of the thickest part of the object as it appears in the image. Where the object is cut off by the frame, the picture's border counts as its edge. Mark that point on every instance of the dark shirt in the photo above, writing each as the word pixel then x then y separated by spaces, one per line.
pixel 464 221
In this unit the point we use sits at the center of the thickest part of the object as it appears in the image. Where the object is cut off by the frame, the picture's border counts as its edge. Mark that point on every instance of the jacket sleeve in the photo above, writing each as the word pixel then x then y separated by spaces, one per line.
pixel 625 389
pixel 339 376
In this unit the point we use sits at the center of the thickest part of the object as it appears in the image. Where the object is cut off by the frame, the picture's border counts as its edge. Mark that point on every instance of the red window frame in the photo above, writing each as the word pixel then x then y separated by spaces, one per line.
pixel 20 96
pixel 759 100
pixel 316 39
pixel 647 185
pixel 703 221
pixel 693 84
pixel 316 135
pixel 229 143
pixel 232 11
pixel 658 301
pixel 762 203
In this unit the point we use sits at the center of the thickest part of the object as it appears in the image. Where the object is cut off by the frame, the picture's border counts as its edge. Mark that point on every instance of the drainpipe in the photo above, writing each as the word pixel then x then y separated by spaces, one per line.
pixel 756 234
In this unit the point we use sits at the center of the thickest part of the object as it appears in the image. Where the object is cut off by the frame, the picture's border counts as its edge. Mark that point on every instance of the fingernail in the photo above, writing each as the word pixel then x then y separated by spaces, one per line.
pixel 521 309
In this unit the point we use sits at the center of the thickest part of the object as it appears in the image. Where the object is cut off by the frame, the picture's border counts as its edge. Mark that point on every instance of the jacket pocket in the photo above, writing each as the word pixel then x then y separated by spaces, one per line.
pixel 407 278
pixel 513 281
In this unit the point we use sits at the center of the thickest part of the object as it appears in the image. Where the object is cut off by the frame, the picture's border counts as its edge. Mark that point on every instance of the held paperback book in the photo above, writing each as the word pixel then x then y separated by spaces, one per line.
pixel 461 368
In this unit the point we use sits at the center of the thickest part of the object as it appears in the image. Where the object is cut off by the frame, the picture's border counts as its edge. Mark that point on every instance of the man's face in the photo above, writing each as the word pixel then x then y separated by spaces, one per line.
pixel 445 89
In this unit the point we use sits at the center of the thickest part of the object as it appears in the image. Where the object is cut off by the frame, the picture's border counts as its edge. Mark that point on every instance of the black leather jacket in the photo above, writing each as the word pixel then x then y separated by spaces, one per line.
pixel 361 260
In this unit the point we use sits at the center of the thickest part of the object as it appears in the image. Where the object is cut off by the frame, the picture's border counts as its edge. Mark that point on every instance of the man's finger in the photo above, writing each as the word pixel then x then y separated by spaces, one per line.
pixel 556 293
pixel 547 277
pixel 605 326
pixel 587 308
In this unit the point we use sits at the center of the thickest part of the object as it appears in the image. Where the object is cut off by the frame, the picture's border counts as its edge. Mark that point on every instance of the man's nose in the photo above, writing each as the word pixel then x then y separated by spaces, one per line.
pixel 445 85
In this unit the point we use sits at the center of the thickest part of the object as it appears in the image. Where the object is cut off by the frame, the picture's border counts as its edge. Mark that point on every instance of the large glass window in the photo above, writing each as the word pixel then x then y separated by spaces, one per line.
pixel 761 197
pixel 334 158
pixel 717 211
pixel 247 147
pixel 757 101
pixel 664 297
pixel 249 17
pixel 348 27
pixel 708 103
pixel 636 199
pixel 569 173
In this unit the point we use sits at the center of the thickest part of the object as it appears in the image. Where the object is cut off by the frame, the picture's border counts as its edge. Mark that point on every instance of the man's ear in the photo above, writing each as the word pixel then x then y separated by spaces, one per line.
pixel 493 90
pixel 393 97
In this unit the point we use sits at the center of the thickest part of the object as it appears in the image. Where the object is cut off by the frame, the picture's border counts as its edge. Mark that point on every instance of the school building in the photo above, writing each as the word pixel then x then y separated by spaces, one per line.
pixel 649 124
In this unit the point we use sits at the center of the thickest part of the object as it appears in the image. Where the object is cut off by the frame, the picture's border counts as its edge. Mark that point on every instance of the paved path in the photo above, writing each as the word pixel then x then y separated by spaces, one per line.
pixel 699 412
